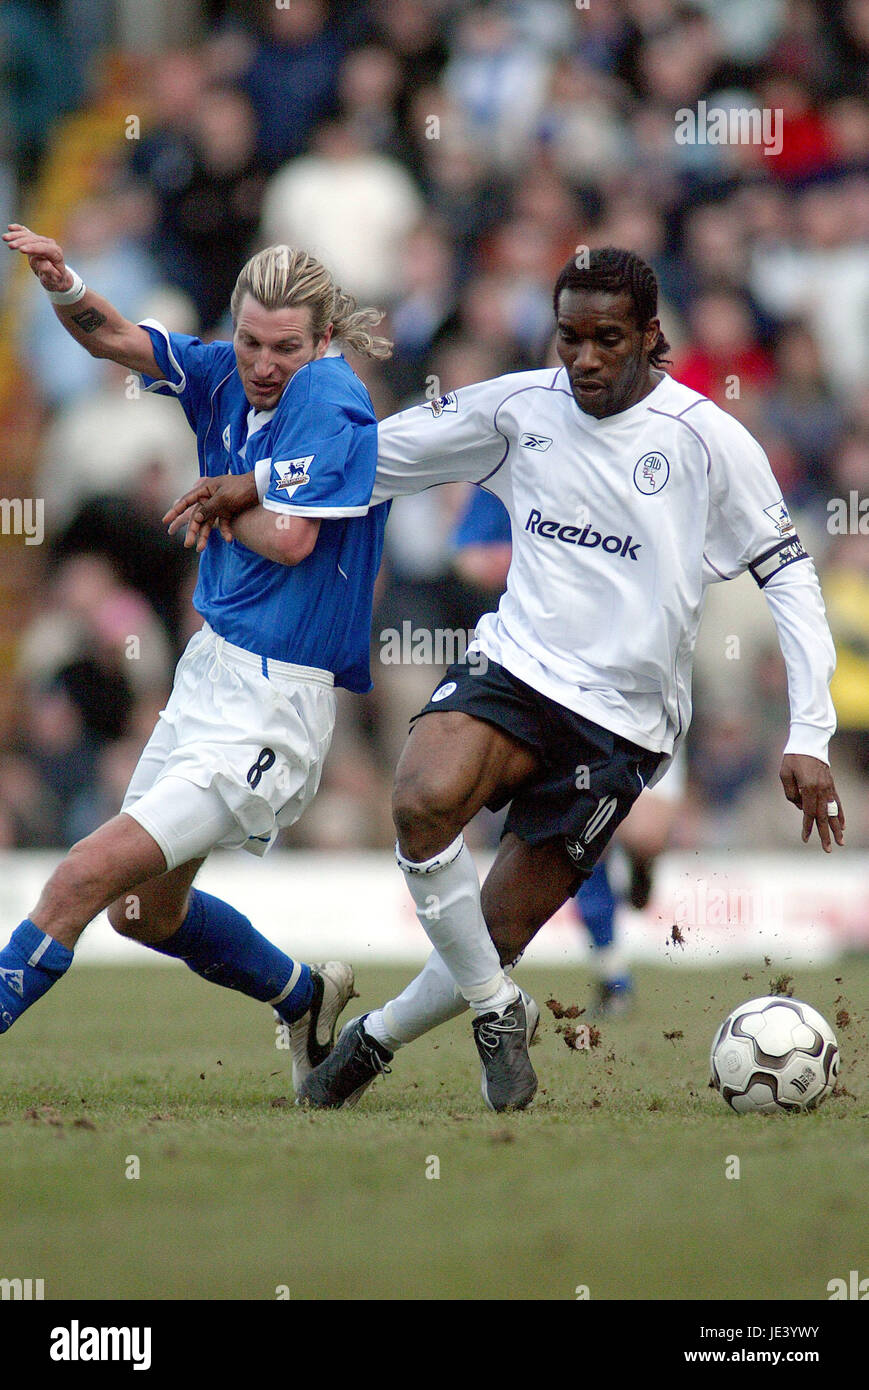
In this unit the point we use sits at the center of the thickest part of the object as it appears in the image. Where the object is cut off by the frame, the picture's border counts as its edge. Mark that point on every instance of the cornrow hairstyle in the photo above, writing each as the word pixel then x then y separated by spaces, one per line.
pixel 282 277
pixel 612 270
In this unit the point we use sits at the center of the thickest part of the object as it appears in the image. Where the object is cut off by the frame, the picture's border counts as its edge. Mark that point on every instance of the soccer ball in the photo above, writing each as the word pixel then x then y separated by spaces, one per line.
pixel 774 1054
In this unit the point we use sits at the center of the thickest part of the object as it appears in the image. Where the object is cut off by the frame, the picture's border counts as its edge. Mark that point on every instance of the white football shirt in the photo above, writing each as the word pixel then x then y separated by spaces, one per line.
pixel 618 527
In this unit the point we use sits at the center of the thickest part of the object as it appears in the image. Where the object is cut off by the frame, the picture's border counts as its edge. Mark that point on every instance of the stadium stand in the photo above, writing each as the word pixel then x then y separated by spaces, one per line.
pixel 506 135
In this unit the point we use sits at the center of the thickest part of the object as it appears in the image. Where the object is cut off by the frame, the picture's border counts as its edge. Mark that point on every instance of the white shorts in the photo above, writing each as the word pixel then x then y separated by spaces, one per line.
pixel 237 753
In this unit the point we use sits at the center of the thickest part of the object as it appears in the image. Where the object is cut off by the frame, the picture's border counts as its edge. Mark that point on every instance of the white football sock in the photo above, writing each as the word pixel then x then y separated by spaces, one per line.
pixel 446 890
pixel 431 998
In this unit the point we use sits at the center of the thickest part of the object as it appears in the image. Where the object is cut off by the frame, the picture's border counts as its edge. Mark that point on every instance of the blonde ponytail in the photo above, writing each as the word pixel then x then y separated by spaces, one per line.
pixel 280 277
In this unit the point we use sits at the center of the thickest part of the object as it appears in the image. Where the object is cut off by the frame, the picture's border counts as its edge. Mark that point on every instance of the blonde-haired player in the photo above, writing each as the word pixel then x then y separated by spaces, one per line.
pixel 285 595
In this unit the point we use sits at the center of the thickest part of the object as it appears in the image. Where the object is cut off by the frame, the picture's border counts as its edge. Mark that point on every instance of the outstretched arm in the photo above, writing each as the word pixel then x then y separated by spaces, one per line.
pixel 90 319
pixel 794 598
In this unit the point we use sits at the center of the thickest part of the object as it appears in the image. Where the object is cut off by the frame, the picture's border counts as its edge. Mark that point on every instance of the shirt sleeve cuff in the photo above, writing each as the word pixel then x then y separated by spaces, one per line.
pixel 336 513
pixel 810 741
pixel 152 383
pixel 263 475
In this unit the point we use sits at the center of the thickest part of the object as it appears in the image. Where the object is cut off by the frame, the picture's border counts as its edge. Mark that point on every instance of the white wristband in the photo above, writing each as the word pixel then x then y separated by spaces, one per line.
pixel 73 294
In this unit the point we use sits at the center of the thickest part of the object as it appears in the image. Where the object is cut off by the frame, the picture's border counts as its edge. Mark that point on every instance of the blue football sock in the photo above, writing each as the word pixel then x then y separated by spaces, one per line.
pixel 220 944
pixel 30 964
pixel 597 906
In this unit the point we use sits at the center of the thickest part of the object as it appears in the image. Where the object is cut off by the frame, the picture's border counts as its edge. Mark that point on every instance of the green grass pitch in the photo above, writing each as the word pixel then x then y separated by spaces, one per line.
pixel 615 1181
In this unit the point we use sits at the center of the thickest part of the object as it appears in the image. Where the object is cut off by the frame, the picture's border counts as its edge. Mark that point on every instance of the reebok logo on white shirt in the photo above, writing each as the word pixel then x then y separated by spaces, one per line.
pixel 580 535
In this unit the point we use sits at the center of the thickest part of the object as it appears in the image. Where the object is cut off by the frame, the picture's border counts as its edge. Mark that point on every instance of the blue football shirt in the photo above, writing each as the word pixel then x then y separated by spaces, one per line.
pixel 321 439
pixel 484 521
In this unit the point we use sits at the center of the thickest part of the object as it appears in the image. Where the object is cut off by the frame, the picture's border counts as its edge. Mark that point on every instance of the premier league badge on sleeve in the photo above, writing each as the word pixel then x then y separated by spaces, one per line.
pixel 448 402
pixel 651 473
pixel 294 474
pixel 780 517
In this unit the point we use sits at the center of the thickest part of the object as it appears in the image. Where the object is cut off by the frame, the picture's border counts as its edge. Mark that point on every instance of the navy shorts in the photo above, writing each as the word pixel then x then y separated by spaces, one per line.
pixel 588 778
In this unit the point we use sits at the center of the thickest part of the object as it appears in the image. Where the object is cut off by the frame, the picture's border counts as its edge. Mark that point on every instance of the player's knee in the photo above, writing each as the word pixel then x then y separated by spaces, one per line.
pixel 425 810
pixel 80 878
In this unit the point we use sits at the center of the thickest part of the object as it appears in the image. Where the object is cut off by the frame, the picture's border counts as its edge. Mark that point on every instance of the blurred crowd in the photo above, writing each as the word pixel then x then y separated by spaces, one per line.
pixel 444 160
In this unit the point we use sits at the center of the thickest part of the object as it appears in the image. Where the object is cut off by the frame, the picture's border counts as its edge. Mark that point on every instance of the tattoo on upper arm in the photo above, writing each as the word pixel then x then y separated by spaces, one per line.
pixel 89 320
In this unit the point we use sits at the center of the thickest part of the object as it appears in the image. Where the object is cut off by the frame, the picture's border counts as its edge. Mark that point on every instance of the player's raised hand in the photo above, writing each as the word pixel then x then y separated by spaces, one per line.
pixel 210 502
pixel 45 256
pixel 808 783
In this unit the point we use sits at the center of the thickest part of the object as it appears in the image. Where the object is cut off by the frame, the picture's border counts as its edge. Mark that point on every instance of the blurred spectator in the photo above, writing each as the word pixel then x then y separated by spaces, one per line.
pixel 723 359
pixel 802 408
pixel 60 747
pixel 820 271
pixel 543 196
pixel 461 189
pixel 163 159
pixel 640 223
pixel 600 34
pixel 746 28
pixel 369 89
pixel 31 813
pixel 208 188
pixel 38 78
pixel 849 23
pixel 342 185
pixel 415 35
pixel 860 411
pixel 55 764
pixel 714 247
pixel 581 125
pixel 804 47
pixel 292 79
pixel 807 142
pixel 846 594
pixel 164 151
pixel 100 639
pixel 726 761
pixel 849 471
pixel 427 276
pixel 676 61
pixel 129 532
pixel 103 441
pixel 87 27
pixel 848 120
pixel 101 798
pixel 521 252
pixel 498 81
